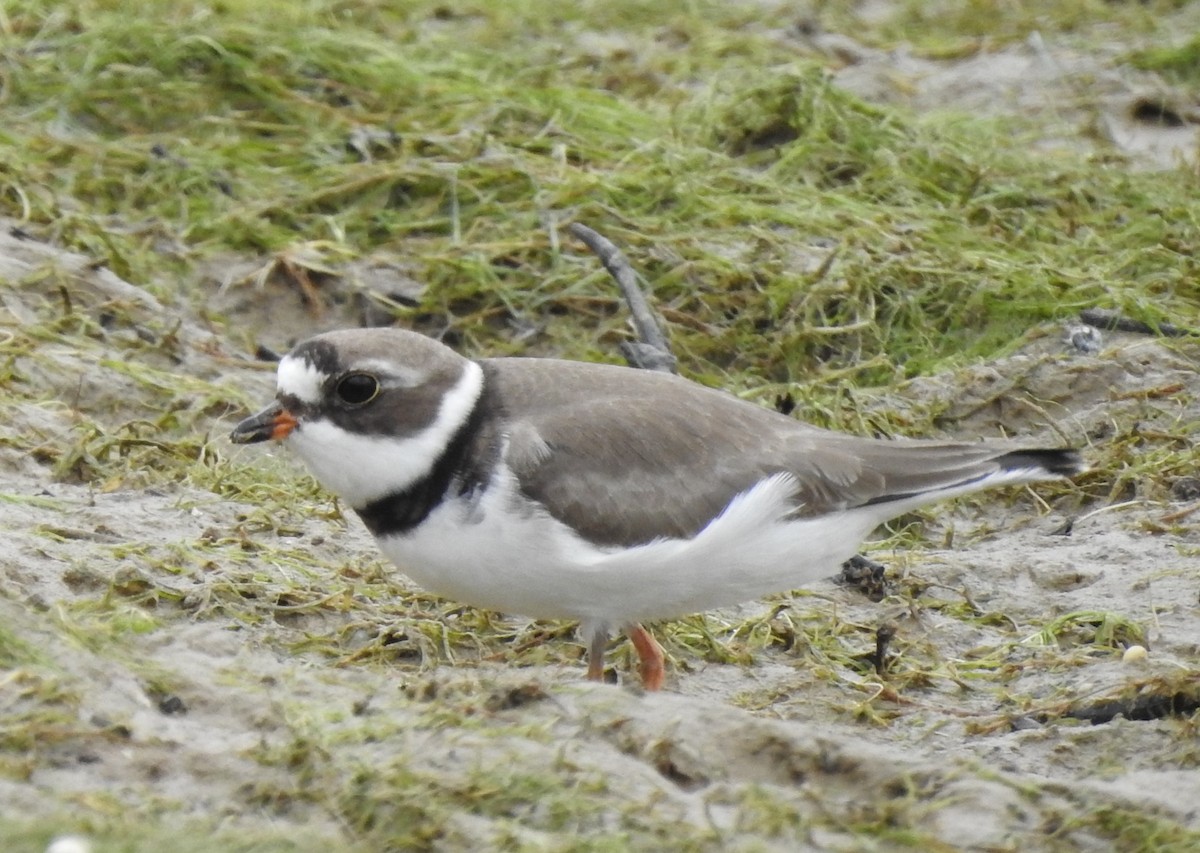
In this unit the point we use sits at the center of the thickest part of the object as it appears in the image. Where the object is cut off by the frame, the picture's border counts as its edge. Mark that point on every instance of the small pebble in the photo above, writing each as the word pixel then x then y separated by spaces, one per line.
pixel 1134 654
pixel 1084 339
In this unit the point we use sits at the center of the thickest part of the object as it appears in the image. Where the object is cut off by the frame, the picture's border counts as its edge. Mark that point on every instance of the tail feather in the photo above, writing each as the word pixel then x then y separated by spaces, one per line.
pixel 907 488
pixel 1054 462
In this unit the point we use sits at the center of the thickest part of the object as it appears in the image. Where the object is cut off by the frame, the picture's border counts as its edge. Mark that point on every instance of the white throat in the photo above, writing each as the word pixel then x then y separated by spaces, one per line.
pixel 363 468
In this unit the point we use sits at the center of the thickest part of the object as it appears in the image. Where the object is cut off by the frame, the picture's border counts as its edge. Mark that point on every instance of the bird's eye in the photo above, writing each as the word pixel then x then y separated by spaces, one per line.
pixel 357 388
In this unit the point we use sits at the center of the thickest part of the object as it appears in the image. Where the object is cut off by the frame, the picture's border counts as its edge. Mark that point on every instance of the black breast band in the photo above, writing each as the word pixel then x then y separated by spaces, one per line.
pixel 456 472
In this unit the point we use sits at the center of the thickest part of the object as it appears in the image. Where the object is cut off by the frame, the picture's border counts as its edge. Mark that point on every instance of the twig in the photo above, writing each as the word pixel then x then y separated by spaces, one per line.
pixel 1179 515
pixel 1111 321
pixel 651 350
pixel 884 635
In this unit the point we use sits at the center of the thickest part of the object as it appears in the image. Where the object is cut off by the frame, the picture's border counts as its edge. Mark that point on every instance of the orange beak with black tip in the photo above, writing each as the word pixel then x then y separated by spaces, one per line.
pixel 274 422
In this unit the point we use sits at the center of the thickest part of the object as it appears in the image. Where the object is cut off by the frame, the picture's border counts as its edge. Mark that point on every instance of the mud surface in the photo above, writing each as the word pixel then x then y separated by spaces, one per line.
pixel 1009 715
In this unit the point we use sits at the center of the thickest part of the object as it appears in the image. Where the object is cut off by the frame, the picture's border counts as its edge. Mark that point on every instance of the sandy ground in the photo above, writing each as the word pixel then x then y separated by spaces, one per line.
pixel 985 733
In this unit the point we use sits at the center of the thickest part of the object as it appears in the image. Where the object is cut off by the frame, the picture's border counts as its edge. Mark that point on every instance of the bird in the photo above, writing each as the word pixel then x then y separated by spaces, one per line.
pixel 556 489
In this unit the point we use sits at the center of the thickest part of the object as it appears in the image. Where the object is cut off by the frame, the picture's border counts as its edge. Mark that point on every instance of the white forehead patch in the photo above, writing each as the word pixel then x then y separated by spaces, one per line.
pixel 300 379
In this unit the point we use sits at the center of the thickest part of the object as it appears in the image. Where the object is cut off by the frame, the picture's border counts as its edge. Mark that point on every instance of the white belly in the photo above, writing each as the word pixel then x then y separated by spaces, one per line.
pixel 487 555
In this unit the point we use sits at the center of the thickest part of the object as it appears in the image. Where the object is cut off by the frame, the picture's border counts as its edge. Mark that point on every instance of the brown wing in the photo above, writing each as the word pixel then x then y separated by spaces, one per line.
pixel 625 456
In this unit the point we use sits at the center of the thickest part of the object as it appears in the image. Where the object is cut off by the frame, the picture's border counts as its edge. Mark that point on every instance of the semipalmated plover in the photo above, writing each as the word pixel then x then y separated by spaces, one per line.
pixel 614 496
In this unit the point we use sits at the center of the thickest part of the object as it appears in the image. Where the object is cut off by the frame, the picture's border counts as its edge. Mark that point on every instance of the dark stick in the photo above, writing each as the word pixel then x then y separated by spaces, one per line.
pixel 883 637
pixel 651 350
pixel 1111 321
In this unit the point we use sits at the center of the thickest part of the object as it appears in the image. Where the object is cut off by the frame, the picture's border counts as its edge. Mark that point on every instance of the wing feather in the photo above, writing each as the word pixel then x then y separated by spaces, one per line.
pixel 628 456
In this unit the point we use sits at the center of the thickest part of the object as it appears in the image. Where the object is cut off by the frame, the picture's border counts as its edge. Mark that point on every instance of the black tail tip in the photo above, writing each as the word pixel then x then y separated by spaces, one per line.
pixel 1058 462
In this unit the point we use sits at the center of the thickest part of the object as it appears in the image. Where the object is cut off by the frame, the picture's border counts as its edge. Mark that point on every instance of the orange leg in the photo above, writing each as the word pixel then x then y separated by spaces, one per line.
pixel 650 655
